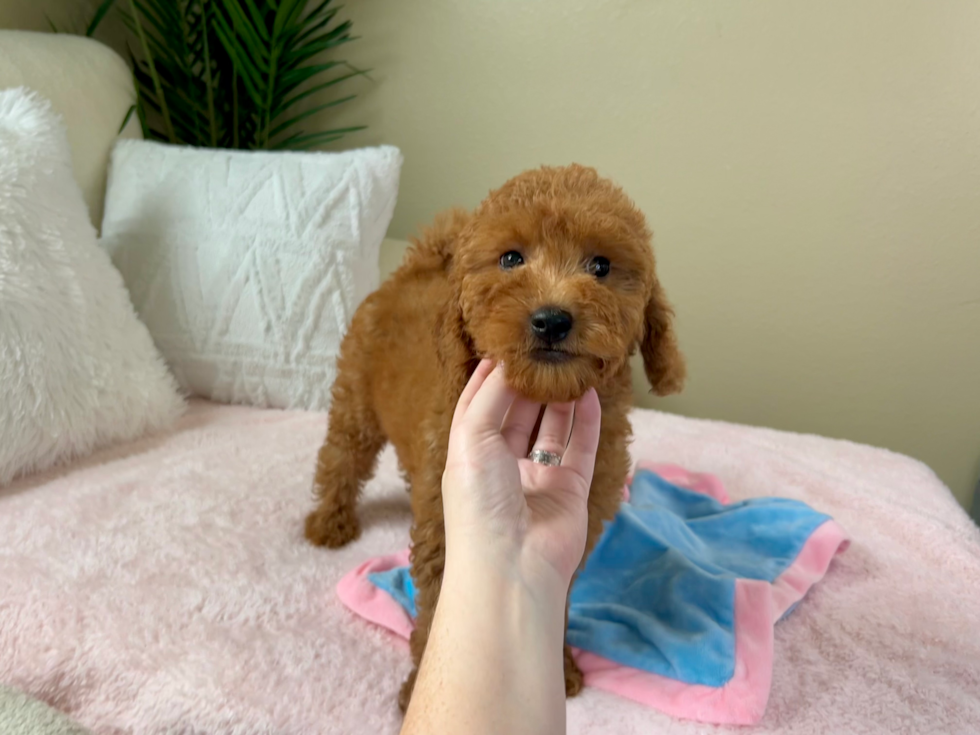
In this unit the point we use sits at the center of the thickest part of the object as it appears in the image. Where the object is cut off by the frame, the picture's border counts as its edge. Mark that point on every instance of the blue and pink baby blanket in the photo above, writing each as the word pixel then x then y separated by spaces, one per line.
pixel 677 604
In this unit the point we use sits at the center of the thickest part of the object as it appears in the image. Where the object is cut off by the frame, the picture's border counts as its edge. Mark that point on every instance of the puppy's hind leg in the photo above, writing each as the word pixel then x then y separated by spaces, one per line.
pixel 346 460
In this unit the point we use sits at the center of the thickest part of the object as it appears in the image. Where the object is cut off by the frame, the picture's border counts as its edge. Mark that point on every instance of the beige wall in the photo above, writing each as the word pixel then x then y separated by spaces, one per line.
pixel 22 15
pixel 811 170
pixel 33 15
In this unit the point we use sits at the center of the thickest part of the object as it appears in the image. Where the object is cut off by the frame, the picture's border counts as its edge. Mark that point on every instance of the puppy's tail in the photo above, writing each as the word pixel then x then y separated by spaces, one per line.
pixel 436 243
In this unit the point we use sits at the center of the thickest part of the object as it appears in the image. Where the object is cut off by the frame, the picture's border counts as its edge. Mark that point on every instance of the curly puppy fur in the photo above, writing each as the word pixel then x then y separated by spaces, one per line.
pixel 414 343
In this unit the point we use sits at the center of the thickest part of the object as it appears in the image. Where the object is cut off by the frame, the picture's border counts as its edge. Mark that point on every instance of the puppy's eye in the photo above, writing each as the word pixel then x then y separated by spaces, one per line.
pixel 511 259
pixel 599 266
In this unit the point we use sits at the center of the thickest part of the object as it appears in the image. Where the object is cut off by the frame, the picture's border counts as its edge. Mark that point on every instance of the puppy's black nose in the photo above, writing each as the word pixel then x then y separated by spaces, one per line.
pixel 550 324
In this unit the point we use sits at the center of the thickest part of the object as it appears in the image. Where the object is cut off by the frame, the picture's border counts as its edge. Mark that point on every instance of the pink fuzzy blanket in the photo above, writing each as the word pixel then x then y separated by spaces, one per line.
pixel 164 587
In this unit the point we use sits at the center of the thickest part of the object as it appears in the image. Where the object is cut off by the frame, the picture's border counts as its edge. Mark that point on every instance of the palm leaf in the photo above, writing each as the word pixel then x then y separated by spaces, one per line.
pixel 241 55
pixel 170 31
pixel 153 73
pixel 313 27
pixel 313 90
pixel 312 49
pixel 295 77
pixel 246 34
pixel 258 19
pixel 209 78
pixel 303 141
pixel 100 12
pixel 303 115
pixel 236 73
pixel 129 114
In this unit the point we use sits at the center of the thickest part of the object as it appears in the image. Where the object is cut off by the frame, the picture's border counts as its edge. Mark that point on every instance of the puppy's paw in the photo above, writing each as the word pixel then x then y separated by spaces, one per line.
pixel 405 695
pixel 332 528
pixel 574 680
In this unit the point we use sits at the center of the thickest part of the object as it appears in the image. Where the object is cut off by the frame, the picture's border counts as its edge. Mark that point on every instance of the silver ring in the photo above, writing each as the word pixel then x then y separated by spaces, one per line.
pixel 540 456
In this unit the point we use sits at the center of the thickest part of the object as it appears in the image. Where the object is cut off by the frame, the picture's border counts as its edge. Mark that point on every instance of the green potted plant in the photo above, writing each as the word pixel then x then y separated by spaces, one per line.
pixel 246 74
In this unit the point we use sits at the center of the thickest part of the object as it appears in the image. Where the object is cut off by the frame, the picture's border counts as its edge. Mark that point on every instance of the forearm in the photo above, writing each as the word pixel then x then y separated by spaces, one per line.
pixel 493 663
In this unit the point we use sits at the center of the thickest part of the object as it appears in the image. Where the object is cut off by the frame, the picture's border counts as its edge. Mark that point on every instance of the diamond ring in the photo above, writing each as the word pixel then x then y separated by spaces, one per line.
pixel 540 456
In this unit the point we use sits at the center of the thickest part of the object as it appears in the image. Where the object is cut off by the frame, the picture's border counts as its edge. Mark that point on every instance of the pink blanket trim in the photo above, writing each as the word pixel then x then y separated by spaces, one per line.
pixel 758 606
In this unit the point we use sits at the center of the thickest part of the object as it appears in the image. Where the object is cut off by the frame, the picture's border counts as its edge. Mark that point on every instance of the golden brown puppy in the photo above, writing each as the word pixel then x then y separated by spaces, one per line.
pixel 552 274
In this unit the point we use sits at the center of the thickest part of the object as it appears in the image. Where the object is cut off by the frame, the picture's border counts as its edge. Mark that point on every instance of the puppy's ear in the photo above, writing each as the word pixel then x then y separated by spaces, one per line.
pixel 662 360
pixel 437 243
pixel 454 348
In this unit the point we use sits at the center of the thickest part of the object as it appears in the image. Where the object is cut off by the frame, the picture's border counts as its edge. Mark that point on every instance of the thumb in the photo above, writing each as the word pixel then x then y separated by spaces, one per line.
pixel 485 414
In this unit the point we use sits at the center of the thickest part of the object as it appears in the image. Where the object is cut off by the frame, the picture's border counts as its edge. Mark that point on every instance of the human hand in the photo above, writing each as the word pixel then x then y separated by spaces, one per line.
pixel 496 499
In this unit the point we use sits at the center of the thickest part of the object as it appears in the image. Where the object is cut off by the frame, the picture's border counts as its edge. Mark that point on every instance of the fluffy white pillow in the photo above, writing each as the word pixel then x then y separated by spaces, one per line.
pixel 247 266
pixel 77 368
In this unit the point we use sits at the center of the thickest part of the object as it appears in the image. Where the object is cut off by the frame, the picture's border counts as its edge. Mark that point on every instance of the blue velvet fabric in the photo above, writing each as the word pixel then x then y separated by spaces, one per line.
pixel 398 583
pixel 658 591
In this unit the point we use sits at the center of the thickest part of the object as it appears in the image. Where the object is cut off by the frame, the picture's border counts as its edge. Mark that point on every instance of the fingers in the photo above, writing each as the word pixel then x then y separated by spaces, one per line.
pixel 567 429
pixel 519 424
pixel 487 409
pixel 472 387
pixel 584 440
pixel 556 426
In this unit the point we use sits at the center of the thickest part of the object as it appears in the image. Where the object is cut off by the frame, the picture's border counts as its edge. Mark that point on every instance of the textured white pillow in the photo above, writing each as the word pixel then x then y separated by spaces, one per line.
pixel 77 368
pixel 247 266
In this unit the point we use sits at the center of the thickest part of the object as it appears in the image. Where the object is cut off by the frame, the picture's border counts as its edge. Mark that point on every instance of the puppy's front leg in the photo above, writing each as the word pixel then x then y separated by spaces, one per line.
pixel 574 679
pixel 428 533
pixel 428 563
pixel 429 529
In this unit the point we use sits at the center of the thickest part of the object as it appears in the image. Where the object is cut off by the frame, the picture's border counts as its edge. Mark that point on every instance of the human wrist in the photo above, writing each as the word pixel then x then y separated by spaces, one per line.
pixel 506 566
pixel 495 644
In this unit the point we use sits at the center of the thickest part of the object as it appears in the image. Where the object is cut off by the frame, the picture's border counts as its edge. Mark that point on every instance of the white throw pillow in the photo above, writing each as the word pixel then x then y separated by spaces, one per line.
pixel 77 368
pixel 247 266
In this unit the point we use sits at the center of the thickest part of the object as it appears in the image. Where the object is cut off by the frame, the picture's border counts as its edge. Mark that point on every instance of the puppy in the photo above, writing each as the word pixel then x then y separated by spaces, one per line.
pixel 554 275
